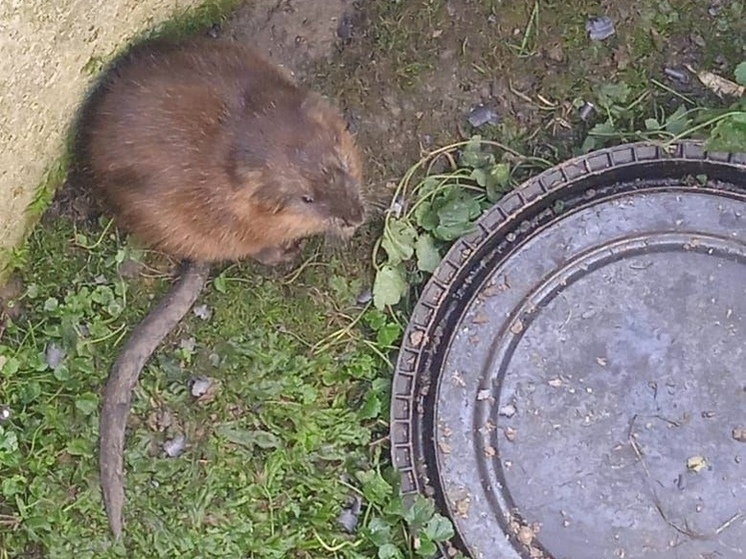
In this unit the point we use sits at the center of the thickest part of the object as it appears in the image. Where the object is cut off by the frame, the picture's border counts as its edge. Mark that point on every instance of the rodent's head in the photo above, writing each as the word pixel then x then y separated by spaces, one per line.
pixel 309 168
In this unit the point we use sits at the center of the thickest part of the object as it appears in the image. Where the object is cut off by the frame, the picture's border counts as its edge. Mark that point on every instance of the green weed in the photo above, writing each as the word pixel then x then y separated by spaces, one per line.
pixel 630 119
pixel 433 208
pixel 276 445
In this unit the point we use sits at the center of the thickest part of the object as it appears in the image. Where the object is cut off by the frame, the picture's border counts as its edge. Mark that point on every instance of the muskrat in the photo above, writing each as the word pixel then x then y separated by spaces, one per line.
pixel 205 151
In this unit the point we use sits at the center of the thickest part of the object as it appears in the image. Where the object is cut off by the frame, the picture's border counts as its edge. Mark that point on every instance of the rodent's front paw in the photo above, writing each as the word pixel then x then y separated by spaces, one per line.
pixel 283 254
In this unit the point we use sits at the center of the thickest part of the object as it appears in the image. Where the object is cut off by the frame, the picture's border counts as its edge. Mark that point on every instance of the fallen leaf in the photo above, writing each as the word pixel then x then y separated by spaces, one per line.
pixel 718 84
pixel 696 463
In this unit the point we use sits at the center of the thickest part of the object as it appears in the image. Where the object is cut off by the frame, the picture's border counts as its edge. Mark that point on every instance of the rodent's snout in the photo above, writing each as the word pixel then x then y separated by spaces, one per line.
pixel 356 216
pixel 353 216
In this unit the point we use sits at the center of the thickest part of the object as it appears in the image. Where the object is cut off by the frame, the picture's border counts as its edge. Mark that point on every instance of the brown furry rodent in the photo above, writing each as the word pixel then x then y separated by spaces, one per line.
pixel 206 151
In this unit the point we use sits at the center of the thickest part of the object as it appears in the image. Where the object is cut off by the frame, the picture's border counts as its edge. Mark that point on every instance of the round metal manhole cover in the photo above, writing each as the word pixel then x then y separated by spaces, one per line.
pixel 572 384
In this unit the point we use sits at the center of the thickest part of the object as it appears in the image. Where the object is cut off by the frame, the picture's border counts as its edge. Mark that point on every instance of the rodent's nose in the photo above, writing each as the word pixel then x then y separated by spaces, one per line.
pixel 356 217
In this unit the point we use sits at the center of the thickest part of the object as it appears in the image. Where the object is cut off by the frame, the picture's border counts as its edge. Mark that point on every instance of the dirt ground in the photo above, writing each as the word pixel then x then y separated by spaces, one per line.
pixel 408 73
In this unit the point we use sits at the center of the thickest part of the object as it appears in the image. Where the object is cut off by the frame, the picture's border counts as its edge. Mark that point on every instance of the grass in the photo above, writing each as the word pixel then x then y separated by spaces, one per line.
pixel 282 439
pixel 405 37
pixel 290 430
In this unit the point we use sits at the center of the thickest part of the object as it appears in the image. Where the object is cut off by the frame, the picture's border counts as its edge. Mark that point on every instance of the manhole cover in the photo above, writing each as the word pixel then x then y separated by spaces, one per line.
pixel 573 379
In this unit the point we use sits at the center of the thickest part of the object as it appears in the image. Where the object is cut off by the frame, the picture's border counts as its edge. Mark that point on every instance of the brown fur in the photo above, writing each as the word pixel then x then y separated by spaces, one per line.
pixel 203 149
pixel 206 151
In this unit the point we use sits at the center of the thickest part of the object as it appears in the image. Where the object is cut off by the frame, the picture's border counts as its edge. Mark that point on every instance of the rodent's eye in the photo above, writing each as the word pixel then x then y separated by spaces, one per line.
pixel 308 199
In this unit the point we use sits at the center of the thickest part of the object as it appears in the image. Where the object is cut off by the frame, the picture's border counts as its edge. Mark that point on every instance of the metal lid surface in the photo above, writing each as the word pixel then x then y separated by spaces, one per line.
pixel 572 384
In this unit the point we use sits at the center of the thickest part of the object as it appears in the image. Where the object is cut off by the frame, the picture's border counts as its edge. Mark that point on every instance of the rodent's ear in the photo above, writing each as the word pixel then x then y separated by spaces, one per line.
pixel 257 186
pixel 271 195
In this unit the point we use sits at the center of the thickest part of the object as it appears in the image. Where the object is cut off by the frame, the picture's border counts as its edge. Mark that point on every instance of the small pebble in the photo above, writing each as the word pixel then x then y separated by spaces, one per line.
pixel 188 344
pixel 599 28
pixel 365 297
pixel 481 115
pixel 4 413
pixel 202 312
pixel 696 463
pixel 199 386
pixel 349 516
pixel 507 410
pixel 675 74
pixel 175 447
pixel 54 355
pixel 586 110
